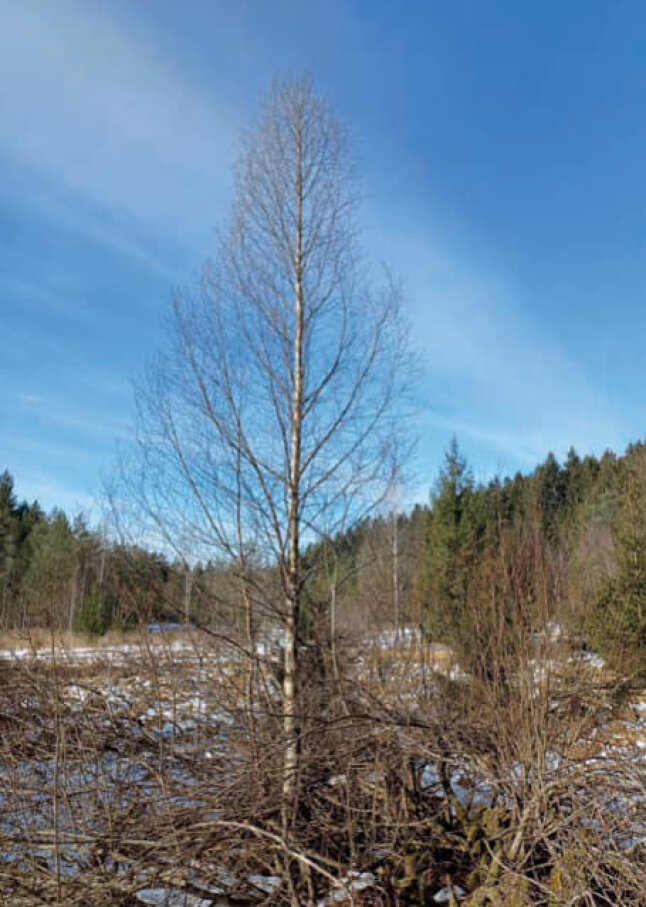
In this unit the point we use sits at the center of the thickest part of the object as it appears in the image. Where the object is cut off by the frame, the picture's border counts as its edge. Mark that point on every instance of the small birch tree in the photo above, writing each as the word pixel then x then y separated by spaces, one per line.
pixel 270 422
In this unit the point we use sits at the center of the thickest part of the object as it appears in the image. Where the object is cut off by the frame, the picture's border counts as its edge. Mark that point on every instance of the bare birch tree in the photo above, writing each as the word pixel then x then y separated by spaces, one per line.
pixel 270 421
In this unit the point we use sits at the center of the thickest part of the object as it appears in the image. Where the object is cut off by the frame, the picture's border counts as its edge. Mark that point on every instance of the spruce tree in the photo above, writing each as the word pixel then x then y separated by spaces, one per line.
pixel 552 495
pixel 8 544
pixel 451 549
pixel 619 621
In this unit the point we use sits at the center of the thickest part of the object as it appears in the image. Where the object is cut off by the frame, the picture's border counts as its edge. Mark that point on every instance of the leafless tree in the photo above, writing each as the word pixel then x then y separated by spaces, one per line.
pixel 270 421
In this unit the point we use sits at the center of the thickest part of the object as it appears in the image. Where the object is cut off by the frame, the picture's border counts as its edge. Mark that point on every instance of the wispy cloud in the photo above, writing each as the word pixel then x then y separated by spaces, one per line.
pixel 66 415
pixel 89 101
pixel 110 139
pixel 494 372
pixel 34 485
pixel 30 399
pixel 38 297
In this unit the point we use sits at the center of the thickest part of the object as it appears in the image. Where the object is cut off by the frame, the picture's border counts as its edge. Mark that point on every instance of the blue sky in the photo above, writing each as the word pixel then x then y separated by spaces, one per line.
pixel 502 149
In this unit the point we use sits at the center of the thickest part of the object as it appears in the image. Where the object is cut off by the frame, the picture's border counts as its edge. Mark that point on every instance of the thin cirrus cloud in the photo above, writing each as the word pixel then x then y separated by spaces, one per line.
pixel 113 139
pixel 30 399
pixel 105 150
pixel 493 373
pixel 37 298
pixel 43 488
pixel 90 103
pixel 64 419
pixel 515 391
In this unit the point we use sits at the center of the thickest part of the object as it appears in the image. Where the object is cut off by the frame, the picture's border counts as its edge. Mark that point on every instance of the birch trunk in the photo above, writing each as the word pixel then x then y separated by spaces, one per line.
pixel 290 693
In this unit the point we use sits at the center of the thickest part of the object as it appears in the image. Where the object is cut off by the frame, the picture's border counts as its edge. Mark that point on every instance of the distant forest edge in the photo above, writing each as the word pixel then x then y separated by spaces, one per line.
pixel 564 544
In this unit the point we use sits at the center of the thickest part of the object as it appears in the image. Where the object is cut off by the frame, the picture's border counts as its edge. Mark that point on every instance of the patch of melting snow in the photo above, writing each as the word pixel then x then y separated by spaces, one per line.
pixel 337 780
pixel 353 882
pixel 81 694
pixel 268 884
pixel 169 627
pixel 168 897
pixel 444 895
pixel 633 843
pixel 226 880
pixel 555 630
pixel 89 653
pixel 388 639
pixel 469 793
pixel 543 669
pixel 430 778
pixel 589 658
pixel 172 728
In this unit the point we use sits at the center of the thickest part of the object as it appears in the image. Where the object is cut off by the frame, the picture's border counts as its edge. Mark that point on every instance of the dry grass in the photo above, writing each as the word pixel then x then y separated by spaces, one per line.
pixel 40 639
pixel 152 772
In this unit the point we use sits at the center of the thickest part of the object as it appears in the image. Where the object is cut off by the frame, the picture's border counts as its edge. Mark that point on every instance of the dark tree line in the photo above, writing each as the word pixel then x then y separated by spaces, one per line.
pixel 565 543
pixel 59 573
